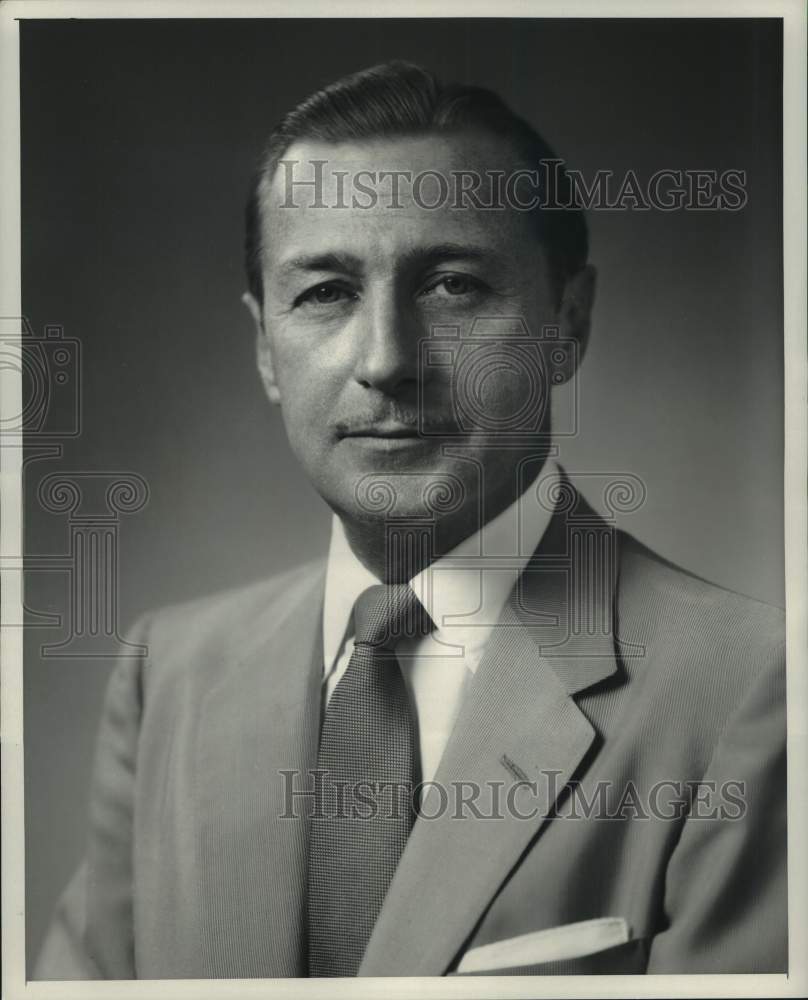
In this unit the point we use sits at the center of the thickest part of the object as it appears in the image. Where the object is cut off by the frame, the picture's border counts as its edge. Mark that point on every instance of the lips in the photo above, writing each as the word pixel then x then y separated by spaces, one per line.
pixel 385 431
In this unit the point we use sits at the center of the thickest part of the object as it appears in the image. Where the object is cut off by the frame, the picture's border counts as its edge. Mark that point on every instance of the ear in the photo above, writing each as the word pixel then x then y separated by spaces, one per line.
pixel 575 311
pixel 263 349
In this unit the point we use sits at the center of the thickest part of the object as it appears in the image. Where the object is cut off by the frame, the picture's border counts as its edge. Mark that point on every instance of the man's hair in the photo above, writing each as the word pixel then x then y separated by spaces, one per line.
pixel 399 99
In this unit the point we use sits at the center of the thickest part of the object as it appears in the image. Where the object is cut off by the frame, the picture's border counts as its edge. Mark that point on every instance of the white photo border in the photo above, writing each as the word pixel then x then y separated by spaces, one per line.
pixel 795 984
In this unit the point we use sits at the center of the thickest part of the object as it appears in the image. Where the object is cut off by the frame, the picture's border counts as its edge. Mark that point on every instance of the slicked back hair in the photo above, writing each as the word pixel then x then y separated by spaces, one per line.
pixel 398 99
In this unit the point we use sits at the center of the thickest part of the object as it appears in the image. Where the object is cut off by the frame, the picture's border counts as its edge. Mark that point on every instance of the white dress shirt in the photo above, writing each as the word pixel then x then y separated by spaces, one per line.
pixel 464 593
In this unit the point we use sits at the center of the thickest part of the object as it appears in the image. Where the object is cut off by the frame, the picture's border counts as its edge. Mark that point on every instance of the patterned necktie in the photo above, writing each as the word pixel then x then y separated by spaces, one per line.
pixel 364 805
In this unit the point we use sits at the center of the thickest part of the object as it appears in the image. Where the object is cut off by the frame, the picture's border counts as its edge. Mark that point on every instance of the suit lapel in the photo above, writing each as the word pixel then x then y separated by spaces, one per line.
pixel 260 719
pixel 518 724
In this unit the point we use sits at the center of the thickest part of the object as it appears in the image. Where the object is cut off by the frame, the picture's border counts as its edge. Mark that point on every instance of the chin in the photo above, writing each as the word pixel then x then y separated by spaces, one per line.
pixel 393 494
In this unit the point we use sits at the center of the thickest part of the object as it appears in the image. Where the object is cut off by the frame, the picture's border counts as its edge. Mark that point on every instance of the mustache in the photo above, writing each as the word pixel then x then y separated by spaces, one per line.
pixel 395 413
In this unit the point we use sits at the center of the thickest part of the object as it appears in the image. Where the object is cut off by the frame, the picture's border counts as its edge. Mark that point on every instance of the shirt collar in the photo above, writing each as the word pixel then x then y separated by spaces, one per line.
pixel 475 578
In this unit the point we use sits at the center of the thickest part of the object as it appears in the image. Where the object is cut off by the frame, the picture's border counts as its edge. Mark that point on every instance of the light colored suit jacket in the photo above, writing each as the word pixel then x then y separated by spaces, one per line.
pixel 191 871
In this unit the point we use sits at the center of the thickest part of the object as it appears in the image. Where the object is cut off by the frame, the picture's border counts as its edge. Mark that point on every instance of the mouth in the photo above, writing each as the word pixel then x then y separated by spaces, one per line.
pixel 385 431
pixel 398 435
pixel 388 436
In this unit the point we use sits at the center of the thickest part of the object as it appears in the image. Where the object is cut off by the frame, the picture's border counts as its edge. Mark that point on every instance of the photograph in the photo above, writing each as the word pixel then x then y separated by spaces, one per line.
pixel 403 559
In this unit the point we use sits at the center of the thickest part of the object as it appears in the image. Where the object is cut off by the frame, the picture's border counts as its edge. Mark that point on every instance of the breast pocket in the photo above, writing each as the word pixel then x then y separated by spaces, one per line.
pixel 629 958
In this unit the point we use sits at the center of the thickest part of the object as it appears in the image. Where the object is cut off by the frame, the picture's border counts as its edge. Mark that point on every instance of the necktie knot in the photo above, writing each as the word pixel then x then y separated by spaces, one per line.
pixel 383 615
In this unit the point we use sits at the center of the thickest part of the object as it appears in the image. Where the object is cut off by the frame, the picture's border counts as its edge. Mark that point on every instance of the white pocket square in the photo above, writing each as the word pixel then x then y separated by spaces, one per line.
pixel 551 945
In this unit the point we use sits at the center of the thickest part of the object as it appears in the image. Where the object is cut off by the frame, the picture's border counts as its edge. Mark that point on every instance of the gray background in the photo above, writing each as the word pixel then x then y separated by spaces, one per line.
pixel 137 143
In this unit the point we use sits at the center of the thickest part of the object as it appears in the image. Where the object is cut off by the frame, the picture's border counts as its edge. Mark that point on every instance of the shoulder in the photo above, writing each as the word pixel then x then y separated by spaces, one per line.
pixel 180 652
pixel 667 596
pixel 207 614
pixel 706 653
pixel 214 629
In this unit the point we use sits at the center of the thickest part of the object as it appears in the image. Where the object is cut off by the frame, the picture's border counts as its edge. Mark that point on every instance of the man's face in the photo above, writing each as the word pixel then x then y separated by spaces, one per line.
pixel 351 292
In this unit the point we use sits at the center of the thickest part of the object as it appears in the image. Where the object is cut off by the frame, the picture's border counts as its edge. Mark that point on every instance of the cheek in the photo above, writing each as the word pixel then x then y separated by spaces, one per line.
pixel 313 363
pixel 297 368
pixel 308 391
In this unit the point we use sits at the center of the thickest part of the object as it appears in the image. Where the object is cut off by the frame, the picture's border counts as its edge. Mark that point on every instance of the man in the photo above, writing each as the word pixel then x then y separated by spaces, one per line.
pixel 490 734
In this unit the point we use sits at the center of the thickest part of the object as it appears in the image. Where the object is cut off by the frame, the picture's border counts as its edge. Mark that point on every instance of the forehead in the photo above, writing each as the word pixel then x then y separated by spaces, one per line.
pixel 383 196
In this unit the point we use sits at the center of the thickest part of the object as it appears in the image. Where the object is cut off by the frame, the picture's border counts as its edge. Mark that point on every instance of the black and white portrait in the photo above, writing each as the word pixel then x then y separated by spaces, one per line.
pixel 401 449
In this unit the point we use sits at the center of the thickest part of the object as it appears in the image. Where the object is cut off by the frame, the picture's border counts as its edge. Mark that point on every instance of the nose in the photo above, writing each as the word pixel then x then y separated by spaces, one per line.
pixel 387 344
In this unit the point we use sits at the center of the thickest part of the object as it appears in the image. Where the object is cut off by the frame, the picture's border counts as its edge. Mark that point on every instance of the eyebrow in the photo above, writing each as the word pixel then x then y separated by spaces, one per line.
pixel 350 264
pixel 328 261
pixel 450 251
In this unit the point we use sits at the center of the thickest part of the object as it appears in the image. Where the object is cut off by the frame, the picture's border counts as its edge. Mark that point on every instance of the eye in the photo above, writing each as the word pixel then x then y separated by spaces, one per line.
pixel 327 294
pixel 454 285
